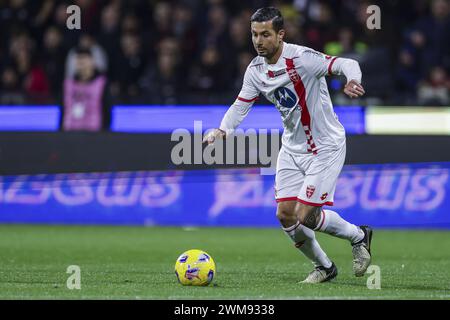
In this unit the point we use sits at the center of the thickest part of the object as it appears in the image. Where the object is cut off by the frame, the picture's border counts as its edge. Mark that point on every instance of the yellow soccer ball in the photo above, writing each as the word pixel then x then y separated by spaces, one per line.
pixel 195 268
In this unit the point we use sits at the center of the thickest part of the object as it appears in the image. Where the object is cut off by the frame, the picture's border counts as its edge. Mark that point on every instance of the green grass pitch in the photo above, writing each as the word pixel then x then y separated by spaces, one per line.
pixel 138 262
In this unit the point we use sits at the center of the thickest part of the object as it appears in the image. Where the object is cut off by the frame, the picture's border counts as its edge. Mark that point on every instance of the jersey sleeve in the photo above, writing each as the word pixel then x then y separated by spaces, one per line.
pixel 320 65
pixel 317 63
pixel 241 106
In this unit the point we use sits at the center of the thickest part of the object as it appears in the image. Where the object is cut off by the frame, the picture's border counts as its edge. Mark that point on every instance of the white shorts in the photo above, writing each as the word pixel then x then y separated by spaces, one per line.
pixel 309 179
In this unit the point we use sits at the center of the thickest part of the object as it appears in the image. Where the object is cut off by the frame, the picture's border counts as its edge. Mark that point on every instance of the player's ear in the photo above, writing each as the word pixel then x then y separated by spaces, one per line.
pixel 281 34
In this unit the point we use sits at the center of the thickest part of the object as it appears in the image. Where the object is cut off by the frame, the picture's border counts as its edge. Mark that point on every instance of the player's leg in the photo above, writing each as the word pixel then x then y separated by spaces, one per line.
pixel 330 222
pixel 289 180
pixel 318 190
pixel 304 239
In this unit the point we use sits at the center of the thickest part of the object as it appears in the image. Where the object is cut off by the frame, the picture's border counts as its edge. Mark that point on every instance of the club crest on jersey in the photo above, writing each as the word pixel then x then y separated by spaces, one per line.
pixel 310 191
pixel 285 97
pixel 293 75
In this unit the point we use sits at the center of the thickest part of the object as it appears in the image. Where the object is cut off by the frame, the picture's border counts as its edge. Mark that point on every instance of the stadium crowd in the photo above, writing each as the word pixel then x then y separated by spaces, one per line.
pixel 196 51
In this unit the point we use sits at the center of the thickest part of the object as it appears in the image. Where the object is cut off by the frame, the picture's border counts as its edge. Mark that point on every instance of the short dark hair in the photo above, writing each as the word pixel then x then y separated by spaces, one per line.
pixel 83 51
pixel 269 14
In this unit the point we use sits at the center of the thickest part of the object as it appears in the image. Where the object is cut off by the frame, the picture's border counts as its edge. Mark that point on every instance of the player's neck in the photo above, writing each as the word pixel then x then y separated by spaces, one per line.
pixel 276 56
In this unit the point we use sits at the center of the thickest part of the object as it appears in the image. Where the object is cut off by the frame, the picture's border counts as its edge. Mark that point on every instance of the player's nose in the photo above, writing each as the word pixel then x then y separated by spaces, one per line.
pixel 258 40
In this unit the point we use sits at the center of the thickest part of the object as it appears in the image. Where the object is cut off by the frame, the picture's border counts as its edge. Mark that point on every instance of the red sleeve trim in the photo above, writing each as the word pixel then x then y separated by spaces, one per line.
pixel 331 65
pixel 247 100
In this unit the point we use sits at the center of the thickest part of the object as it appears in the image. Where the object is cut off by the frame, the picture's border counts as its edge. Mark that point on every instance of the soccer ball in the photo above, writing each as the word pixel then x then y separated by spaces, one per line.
pixel 195 268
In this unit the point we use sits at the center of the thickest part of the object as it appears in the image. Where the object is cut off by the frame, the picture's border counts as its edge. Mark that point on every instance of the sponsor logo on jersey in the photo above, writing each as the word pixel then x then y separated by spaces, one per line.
pixel 324 196
pixel 285 97
pixel 310 191
pixel 273 74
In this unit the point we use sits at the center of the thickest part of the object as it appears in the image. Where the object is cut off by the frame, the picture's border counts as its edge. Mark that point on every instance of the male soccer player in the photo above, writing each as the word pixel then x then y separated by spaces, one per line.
pixel 313 143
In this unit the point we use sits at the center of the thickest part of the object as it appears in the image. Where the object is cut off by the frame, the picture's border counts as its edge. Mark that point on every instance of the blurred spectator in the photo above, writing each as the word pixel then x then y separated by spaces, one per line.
pixel 32 77
pixel 109 30
pixel 294 32
pixel 59 19
pixel 90 11
pixel 44 13
pixel 162 83
pixel 130 23
pixel 14 15
pixel 129 64
pixel 216 32
pixel 162 20
pixel 321 25
pixel 435 89
pixel 192 51
pixel 425 45
pixel 184 30
pixel 85 103
pixel 430 37
pixel 11 92
pixel 407 73
pixel 346 45
pixel 240 36
pixel 244 59
pixel 52 56
pixel 210 74
pixel 87 41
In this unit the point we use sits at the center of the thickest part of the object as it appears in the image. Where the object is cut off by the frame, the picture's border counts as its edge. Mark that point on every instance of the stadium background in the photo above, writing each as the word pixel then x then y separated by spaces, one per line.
pixel 166 64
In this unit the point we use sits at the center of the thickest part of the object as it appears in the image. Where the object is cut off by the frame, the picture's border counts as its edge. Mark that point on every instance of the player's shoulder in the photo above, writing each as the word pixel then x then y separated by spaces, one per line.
pixel 256 65
pixel 256 62
pixel 297 51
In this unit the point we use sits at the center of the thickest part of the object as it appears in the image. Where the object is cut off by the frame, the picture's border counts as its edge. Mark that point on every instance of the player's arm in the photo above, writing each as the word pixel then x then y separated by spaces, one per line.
pixel 237 111
pixel 322 65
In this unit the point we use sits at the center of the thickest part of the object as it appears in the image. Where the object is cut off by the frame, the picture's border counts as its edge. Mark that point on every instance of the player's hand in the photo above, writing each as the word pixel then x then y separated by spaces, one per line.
pixel 213 135
pixel 353 89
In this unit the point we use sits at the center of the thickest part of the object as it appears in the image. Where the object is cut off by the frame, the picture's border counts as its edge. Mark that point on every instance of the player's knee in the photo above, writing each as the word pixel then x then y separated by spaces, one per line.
pixel 308 216
pixel 286 217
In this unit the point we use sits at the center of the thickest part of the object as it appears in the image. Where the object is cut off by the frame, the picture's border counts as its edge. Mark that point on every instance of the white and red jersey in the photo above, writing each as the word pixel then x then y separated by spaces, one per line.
pixel 297 87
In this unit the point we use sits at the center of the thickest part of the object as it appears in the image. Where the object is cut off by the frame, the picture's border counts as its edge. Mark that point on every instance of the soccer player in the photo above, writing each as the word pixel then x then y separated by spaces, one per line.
pixel 313 142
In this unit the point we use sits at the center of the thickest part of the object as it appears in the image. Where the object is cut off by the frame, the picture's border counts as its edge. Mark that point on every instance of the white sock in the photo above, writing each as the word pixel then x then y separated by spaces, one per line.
pixel 305 240
pixel 332 224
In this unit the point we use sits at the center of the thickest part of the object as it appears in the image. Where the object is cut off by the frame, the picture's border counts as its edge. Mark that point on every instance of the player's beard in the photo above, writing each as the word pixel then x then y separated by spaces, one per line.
pixel 268 54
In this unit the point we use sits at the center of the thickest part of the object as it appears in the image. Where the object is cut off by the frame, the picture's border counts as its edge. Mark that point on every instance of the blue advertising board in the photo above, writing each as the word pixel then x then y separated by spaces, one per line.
pixel 165 119
pixel 29 118
pixel 398 196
